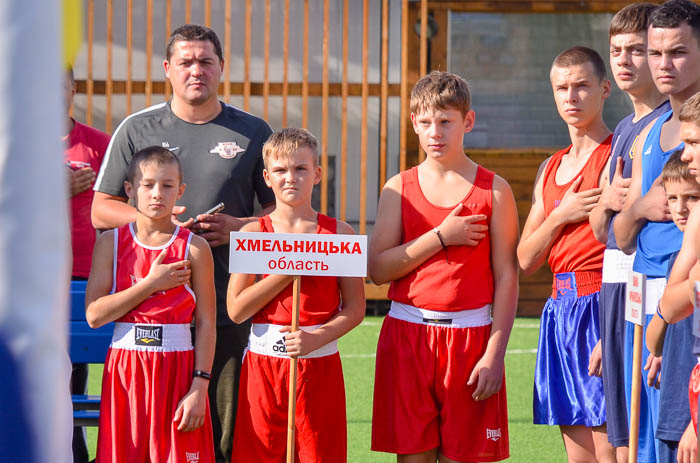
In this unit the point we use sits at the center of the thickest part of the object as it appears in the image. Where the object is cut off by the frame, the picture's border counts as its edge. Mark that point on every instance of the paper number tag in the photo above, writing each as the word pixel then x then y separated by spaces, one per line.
pixel 696 311
pixel 634 308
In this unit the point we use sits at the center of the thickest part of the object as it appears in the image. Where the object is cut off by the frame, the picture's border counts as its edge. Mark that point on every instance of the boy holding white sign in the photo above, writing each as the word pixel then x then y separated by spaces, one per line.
pixel 439 388
pixel 152 278
pixel 291 170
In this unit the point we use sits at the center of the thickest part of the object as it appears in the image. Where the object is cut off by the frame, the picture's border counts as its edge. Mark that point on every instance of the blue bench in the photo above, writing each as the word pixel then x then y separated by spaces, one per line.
pixel 87 345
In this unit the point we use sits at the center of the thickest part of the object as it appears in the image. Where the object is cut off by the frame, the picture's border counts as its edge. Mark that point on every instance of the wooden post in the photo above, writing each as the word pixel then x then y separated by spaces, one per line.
pixel 108 82
pixel 90 83
pixel 227 53
pixel 423 54
pixel 168 29
pixel 246 55
pixel 292 409
pixel 404 85
pixel 285 63
pixel 324 109
pixel 149 52
pixel 363 127
pixel 344 116
pixel 129 52
pixel 636 394
pixel 384 99
pixel 305 70
pixel 266 53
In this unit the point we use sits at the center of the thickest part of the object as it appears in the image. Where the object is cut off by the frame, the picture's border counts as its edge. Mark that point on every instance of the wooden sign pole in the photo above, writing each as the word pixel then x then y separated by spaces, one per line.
pixel 297 254
pixel 292 410
pixel 636 393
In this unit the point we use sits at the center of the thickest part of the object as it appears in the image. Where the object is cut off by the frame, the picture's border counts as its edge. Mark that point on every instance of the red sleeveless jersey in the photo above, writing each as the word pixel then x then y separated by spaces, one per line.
pixel 575 249
pixel 456 278
pixel 133 260
pixel 319 297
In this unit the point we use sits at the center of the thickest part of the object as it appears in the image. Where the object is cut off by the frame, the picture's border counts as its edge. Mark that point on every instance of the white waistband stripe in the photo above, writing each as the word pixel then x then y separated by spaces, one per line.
pixel 653 291
pixel 266 339
pixel 152 337
pixel 459 319
pixel 616 266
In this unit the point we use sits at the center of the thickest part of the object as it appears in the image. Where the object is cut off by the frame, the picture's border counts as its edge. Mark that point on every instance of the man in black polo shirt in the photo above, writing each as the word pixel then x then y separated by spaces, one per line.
pixel 220 148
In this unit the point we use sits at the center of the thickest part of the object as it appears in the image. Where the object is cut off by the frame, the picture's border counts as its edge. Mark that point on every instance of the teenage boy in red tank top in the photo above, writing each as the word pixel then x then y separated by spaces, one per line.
pixel 557 230
pixel 152 278
pixel 329 308
pixel 439 388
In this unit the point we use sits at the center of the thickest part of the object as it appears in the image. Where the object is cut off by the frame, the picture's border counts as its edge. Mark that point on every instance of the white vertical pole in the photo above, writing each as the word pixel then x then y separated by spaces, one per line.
pixel 33 218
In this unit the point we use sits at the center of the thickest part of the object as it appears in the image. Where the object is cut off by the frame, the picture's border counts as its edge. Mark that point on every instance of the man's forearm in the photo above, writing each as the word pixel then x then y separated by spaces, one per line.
pixel 111 212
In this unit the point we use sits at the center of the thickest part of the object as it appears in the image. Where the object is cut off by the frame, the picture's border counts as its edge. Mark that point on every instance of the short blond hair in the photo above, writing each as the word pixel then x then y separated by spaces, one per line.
pixel 286 142
pixel 690 111
pixel 440 90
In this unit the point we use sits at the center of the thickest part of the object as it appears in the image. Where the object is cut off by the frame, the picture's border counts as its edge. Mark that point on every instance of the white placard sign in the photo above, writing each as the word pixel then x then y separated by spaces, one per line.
pixel 298 254
pixel 634 308
pixel 696 312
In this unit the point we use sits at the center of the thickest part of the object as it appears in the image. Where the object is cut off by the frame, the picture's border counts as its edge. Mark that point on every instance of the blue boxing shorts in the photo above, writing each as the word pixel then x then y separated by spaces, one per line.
pixel 564 394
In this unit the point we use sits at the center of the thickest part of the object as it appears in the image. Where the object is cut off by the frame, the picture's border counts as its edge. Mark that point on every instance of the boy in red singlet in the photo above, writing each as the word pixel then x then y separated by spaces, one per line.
pixel 557 229
pixel 329 308
pixel 152 277
pixel 445 238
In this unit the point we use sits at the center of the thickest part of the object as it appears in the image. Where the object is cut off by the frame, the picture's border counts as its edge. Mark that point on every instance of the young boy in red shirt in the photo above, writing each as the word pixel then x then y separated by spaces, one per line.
pixel 152 277
pixel 439 387
pixel 329 308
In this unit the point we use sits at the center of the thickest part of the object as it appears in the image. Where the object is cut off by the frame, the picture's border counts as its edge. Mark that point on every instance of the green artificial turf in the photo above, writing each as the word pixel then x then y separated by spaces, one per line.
pixel 527 442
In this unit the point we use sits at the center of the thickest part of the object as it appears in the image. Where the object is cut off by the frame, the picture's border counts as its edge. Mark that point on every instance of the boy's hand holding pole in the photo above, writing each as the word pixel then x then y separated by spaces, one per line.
pixel 281 254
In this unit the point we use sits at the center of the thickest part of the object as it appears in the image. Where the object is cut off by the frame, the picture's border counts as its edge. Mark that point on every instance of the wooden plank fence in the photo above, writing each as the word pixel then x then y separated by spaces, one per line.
pixel 517 166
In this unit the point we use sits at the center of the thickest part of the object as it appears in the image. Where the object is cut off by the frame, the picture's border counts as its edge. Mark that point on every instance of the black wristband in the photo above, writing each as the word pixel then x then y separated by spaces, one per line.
pixel 437 232
pixel 201 374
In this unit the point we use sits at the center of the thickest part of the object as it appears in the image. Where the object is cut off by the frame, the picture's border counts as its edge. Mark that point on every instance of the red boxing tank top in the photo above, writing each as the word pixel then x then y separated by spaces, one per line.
pixel 575 249
pixel 132 263
pixel 456 278
pixel 319 297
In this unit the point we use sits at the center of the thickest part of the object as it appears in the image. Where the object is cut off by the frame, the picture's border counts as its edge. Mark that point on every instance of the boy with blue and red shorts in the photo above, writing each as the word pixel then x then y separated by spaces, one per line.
pixel 152 278
pixel 329 308
pixel 557 229
pixel 439 386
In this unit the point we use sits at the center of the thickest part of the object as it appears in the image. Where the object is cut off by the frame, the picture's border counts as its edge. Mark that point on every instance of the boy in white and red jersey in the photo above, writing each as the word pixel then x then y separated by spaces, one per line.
pixel 439 390
pixel 329 308
pixel 152 277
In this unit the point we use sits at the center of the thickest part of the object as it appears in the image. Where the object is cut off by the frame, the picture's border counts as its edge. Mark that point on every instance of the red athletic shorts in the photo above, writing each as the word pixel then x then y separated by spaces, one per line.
pixel 421 397
pixel 261 421
pixel 140 393
pixel 693 390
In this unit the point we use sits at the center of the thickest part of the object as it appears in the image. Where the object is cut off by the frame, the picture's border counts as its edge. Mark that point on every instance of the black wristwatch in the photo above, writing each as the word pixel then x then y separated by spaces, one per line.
pixel 201 374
